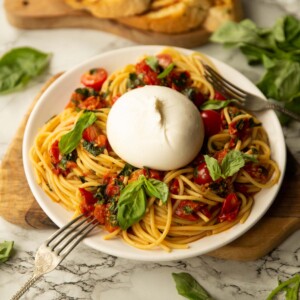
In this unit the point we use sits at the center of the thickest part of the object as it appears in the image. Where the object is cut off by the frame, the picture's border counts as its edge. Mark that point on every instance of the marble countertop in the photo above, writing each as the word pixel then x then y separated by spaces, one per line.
pixel 88 274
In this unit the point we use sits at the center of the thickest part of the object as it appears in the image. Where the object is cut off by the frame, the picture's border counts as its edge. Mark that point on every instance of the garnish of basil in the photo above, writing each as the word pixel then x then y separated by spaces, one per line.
pixel 152 62
pixel 231 164
pixel 132 202
pixel 19 66
pixel 156 188
pixel 70 140
pixel 5 250
pixel 166 71
pixel 188 287
pixel 215 104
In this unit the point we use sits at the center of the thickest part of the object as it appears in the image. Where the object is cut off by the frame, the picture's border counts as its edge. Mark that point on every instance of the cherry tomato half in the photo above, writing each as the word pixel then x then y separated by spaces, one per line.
pixel 219 96
pixel 201 174
pixel 212 122
pixel 94 78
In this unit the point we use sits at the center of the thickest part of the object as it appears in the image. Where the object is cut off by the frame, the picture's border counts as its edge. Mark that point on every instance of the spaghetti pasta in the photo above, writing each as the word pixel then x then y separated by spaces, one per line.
pixel 90 177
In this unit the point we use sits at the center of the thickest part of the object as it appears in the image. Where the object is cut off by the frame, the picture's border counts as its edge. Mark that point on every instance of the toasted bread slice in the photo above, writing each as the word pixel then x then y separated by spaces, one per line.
pixel 111 8
pixel 170 16
pixel 218 14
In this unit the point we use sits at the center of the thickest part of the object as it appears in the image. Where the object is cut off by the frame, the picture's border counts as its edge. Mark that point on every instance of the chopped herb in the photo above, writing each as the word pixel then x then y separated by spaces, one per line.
pixel 82 179
pixel 135 80
pixel 127 170
pixel 67 157
pixel 100 194
pixel 152 62
pixel 166 71
pixel 188 210
pixel 181 80
pixel 91 148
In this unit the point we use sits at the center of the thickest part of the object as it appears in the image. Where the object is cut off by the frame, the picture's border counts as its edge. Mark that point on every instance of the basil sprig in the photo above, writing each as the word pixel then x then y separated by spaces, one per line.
pixel 291 288
pixel 215 104
pixel 188 287
pixel 70 140
pixel 231 164
pixel 5 250
pixel 19 66
pixel 132 202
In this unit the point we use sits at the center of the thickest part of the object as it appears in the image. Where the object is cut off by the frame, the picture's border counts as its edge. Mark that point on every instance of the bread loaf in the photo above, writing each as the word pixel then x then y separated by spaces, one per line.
pixel 111 8
pixel 170 16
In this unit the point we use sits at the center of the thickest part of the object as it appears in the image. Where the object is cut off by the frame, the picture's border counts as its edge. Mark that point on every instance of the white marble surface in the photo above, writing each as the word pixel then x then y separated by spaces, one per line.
pixel 88 274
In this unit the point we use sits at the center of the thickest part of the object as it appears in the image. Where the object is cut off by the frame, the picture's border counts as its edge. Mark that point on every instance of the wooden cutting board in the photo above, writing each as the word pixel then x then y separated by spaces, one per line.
pixel 47 14
pixel 18 206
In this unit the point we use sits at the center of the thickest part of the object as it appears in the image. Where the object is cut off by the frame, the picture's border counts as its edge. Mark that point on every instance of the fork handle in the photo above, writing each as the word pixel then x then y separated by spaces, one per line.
pixel 283 110
pixel 26 286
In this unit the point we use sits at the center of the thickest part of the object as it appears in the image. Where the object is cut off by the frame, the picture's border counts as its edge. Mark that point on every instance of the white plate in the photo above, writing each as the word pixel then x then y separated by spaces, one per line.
pixel 55 98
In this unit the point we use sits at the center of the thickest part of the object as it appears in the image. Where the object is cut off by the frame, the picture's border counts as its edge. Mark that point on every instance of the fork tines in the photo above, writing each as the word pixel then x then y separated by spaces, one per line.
pixel 70 235
pixel 228 89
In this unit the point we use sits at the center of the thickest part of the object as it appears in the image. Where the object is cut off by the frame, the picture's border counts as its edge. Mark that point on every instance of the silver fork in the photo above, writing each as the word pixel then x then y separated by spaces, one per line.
pixel 247 100
pixel 55 249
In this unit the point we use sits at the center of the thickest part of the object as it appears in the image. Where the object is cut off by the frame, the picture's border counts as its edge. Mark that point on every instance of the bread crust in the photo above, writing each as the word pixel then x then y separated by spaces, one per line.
pixel 111 8
pixel 170 16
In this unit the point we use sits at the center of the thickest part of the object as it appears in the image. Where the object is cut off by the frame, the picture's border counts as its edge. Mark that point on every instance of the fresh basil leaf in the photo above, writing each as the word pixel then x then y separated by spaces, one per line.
pixel 166 71
pixel 91 148
pixel 156 188
pixel 127 170
pixel 19 66
pixel 232 163
pixel 131 204
pixel 5 250
pixel 276 48
pixel 152 62
pixel 70 140
pixel 281 81
pixel 213 167
pixel 188 287
pixel 215 104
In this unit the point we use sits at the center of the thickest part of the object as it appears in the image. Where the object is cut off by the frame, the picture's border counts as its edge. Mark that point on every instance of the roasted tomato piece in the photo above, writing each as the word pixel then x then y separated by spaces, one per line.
pixel 149 75
pixel 100 213
pixel 230 208
pixel 91 103
pixel 54 153
pixel 257 172
pixel 212 122
pixel 219 155
pixel 94 78
pixel 113 187
pixel 88 201
pixel 187 210
pixel 174 186
pixel 201 174
pixel 164 60
pixel 91 133
pixel 219 96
